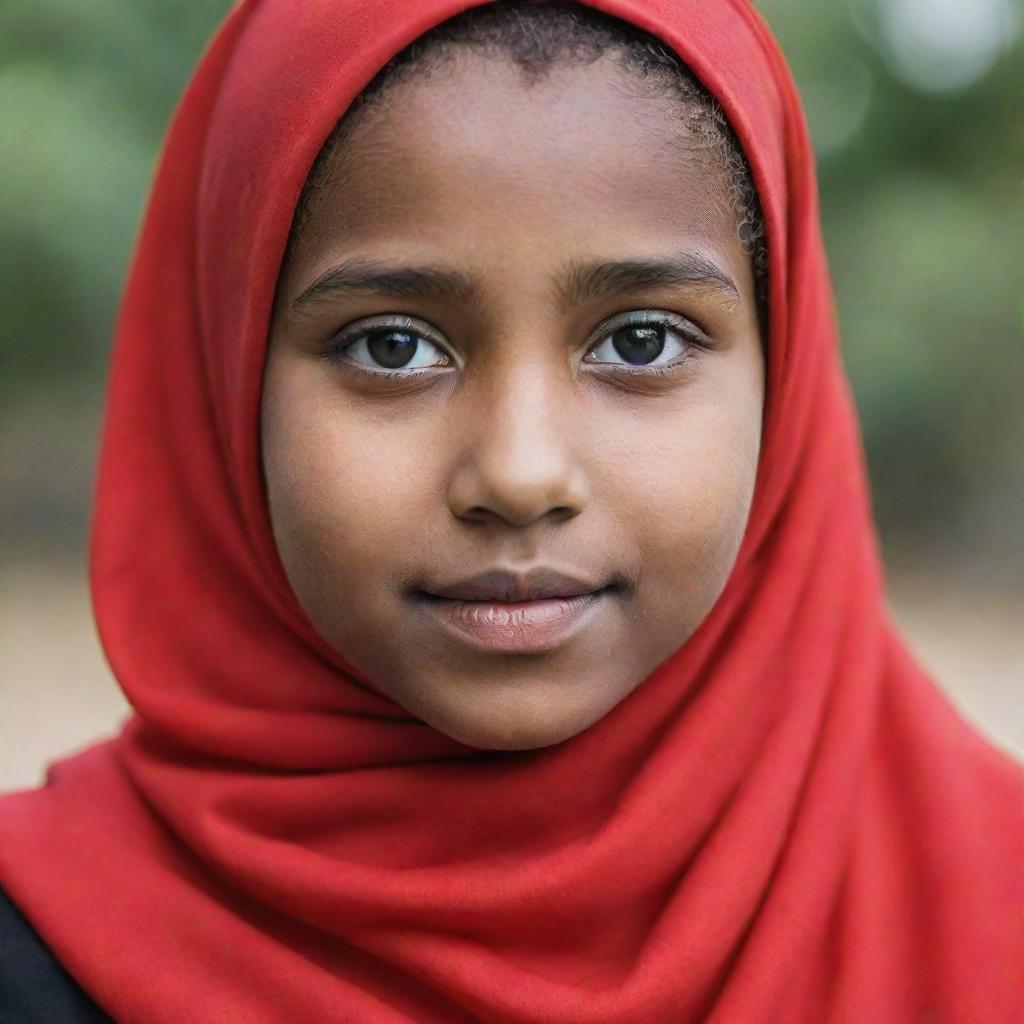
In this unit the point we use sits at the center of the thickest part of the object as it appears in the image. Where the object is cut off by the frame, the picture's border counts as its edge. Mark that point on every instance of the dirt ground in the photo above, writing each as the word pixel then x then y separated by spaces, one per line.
pixel 57 694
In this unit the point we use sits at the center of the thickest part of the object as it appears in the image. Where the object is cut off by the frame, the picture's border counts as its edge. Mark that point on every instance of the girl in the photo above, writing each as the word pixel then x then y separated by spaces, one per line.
pixel 483 542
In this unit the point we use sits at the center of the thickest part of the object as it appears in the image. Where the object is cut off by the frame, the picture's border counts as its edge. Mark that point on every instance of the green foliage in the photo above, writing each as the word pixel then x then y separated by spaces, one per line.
pixel 86 90
pixel 920 206
pixel 920 201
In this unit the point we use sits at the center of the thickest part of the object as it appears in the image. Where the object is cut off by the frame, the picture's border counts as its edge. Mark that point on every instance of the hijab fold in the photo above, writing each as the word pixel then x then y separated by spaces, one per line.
pixel 786 823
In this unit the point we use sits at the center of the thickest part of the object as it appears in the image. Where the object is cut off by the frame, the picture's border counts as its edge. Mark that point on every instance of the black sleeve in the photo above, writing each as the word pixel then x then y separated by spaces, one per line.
pixel 34 987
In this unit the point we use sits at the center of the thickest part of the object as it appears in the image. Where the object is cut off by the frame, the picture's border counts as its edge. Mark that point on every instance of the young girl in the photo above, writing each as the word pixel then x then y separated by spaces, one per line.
pixel 483 542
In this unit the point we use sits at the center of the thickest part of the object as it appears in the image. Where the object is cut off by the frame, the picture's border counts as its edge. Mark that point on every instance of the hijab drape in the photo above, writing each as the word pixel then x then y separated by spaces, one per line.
pixel 786 822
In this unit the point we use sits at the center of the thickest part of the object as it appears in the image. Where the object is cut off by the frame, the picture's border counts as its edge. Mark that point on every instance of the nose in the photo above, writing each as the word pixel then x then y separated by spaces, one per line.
pixel 520 459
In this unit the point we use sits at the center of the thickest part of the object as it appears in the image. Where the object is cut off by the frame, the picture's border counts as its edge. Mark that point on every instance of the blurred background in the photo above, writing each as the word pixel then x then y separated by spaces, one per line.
pixel 915 111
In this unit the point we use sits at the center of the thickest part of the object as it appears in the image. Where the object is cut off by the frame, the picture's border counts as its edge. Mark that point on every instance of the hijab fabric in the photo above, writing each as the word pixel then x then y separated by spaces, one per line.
pixel 786 822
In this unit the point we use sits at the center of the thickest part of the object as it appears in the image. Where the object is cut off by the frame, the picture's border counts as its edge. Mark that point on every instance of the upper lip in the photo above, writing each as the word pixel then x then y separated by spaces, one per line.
pixel 503 585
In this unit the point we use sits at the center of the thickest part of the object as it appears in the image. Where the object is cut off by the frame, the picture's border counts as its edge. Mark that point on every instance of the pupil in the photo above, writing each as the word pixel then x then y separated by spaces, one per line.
pixel 391 347
pixel 639 343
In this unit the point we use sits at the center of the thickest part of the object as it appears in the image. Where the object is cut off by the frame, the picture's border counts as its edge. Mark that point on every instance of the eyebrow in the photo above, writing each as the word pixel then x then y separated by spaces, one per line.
pixel 574 286
pixel 585 281
pixel 359 275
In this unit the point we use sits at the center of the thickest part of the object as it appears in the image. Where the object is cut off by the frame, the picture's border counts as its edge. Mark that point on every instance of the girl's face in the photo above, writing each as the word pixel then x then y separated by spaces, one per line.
pixel 517 334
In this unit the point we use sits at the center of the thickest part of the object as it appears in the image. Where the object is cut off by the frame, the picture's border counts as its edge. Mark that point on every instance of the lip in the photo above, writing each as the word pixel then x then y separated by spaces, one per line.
pixel 514 627
pixel 539 583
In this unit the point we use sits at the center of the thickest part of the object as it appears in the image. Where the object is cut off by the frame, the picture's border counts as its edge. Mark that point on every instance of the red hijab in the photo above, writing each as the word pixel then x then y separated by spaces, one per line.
pixel 787 822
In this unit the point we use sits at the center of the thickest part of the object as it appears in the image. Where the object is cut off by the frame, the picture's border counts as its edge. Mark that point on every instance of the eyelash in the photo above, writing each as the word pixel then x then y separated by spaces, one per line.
pixel 694 338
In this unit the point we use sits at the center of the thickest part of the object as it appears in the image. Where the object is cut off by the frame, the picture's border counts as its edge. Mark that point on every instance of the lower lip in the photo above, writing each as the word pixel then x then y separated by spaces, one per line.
pixel 514 627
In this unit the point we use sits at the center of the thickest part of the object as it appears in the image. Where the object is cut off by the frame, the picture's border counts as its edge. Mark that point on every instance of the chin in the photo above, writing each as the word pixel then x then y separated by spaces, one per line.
pixel 516 729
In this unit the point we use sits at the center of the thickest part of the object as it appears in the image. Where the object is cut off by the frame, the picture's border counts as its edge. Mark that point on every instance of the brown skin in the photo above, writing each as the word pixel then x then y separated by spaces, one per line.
pixel 526 438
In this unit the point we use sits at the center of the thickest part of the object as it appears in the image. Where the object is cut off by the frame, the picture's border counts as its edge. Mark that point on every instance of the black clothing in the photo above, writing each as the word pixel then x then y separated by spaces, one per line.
pixel 34 987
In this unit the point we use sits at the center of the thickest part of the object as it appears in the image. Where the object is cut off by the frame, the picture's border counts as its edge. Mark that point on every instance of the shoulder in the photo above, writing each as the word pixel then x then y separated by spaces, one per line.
pixel 34 987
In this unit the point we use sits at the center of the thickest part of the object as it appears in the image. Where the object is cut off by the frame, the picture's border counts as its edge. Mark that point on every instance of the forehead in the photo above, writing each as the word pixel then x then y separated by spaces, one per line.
pixel 472 151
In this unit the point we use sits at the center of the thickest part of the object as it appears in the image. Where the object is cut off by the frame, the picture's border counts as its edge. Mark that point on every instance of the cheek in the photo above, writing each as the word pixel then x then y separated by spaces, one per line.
pixel 697 500
pixel 344 504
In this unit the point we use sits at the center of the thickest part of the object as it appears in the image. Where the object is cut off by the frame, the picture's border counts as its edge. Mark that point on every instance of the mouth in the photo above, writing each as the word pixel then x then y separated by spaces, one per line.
pixel 514 627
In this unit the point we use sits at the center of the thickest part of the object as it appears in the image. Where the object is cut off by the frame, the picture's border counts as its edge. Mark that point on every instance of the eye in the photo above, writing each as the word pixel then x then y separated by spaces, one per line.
pixel 388 345
pixel 642 337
